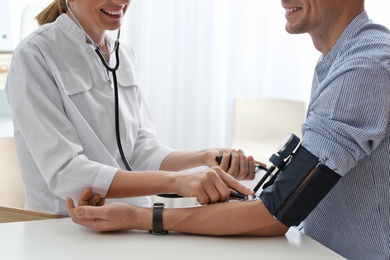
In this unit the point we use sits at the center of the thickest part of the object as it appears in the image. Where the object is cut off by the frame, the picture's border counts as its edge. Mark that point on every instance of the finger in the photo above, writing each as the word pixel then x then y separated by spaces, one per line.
pixel 200 191
pixel 251 168
pixel 211 189
pixel 94 200
pixel 223 192
pixel 234 168
pixel 89 216
pixel 244 165
pixel 101 202
pixel 216 188
pixel 235 184
pixel 247 168
pixel 84 197
pixel 225 162
pixel 89 212
pixel 202 197
pixel 70 206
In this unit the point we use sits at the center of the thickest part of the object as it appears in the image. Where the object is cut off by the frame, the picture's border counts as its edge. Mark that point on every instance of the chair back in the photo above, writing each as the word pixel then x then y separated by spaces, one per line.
pixel 261 124
pixel 11 184
pixel 12 195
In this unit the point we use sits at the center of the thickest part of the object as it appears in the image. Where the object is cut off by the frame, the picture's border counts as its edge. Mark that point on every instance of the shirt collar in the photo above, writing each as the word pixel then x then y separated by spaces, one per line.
pixel 67 24
pixel 325 62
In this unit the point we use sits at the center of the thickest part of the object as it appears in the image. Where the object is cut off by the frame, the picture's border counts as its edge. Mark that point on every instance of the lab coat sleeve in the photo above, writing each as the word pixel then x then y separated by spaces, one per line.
pixel 148 152
pixel 50 138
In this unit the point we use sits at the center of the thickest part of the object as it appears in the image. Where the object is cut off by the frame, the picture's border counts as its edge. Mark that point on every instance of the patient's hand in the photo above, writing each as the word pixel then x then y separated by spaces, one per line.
pixel 109 217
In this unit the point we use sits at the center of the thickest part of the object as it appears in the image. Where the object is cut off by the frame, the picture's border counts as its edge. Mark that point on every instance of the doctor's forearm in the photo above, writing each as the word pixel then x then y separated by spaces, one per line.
pixel 182 160
pixel 132 184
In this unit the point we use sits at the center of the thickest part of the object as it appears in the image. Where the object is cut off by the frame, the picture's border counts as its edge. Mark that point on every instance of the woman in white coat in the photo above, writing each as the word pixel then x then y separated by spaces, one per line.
pixel 63 102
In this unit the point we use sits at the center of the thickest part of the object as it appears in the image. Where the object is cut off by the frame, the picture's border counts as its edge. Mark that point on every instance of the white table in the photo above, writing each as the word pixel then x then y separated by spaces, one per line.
pixel 62 239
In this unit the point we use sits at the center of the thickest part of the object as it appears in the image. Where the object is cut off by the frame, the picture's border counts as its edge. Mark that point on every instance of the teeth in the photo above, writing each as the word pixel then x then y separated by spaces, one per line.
pixel 113 12
pixel 291 10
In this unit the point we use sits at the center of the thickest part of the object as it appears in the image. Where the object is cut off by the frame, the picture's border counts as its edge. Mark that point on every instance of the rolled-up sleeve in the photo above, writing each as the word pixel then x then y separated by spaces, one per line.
pixel 349 114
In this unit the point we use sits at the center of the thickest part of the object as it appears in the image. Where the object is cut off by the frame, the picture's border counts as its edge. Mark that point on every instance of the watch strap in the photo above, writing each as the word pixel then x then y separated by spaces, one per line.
pixel 157 219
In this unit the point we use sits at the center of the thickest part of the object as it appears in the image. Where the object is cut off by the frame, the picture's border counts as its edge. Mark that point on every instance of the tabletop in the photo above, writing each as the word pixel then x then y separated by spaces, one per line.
pixel 62 239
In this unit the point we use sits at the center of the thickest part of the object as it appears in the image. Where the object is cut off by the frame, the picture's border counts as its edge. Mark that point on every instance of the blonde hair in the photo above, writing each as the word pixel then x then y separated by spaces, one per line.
pixel 50 13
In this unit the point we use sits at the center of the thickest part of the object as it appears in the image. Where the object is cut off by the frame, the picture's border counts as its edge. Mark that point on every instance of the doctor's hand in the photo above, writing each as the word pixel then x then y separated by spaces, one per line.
pixel 234 162
pixel 91 213
pixel 208 186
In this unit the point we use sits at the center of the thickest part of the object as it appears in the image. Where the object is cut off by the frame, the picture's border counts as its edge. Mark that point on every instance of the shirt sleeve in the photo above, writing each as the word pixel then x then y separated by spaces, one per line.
pixel 349 114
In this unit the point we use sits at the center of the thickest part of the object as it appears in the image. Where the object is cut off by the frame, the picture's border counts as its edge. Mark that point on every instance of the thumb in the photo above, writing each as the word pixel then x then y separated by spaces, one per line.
pixel 79 211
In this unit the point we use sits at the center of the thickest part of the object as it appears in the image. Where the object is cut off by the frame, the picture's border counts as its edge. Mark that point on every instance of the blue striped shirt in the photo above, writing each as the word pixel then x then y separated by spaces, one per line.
pixel 348 125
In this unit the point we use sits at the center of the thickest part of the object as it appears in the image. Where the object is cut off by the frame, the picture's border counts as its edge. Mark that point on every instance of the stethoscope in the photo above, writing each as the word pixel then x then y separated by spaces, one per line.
pixel 113 70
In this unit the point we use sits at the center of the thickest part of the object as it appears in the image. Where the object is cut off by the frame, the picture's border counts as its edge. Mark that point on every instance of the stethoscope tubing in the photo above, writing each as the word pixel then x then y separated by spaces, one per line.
pixel 116 97
pixel 113 70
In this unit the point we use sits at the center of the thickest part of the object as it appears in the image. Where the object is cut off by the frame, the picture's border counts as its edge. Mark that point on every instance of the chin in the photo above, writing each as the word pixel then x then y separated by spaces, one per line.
pixel 294 29
pixel 113 28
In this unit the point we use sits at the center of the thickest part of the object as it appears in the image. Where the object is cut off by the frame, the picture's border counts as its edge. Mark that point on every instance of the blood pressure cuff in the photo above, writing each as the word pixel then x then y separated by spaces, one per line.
pixel 298 188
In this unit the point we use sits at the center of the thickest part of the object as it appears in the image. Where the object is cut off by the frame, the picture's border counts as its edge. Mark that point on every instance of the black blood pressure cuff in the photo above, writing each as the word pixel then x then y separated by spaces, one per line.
pixel 298 188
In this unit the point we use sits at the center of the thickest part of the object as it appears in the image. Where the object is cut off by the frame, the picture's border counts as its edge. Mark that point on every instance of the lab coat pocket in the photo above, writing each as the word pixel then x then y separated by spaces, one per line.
pixel 76 82
pixel 127 77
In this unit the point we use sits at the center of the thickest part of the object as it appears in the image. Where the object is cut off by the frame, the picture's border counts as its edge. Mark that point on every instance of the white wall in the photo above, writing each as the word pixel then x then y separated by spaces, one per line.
pixel 195 56
pixel 16 10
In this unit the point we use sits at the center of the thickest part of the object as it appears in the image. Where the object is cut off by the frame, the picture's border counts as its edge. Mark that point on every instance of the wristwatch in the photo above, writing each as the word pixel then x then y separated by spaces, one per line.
pixel 157 219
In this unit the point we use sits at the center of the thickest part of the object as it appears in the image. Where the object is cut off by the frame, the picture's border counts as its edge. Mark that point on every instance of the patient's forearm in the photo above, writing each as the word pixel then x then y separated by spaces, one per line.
pixel 233 218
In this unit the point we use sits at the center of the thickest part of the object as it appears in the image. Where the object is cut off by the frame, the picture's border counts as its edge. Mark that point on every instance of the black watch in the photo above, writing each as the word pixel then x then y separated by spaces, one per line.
pixel 157 219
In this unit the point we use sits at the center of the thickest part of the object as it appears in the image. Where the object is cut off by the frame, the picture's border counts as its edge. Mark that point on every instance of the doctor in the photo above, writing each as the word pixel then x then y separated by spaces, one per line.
pixel 80 119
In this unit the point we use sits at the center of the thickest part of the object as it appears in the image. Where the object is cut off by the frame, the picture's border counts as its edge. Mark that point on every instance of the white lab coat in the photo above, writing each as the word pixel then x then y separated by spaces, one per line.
pixel 62 101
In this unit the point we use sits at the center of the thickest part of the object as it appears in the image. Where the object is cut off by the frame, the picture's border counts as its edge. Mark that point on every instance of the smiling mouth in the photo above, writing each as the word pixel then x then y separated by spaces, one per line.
pixel 293 10
pixel 111 12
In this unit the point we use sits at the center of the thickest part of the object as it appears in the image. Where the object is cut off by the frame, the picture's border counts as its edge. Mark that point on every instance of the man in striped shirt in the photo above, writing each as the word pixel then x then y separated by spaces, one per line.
pixel 348 124
pixel 347 130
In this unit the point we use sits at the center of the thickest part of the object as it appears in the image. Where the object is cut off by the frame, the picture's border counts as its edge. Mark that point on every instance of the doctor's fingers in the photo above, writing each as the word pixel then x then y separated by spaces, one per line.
pixel 206 186
pixel 217 191
pixel 86 198
pixel 233 183
pixel 247 168
pixel 220 185
pixel 240 165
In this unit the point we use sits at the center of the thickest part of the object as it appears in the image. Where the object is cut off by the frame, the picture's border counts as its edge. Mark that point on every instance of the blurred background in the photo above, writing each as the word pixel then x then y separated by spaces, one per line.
pixel 195 57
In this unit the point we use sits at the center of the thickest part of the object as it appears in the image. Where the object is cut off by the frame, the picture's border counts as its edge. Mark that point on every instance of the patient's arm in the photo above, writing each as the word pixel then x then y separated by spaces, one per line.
pixel 230 218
